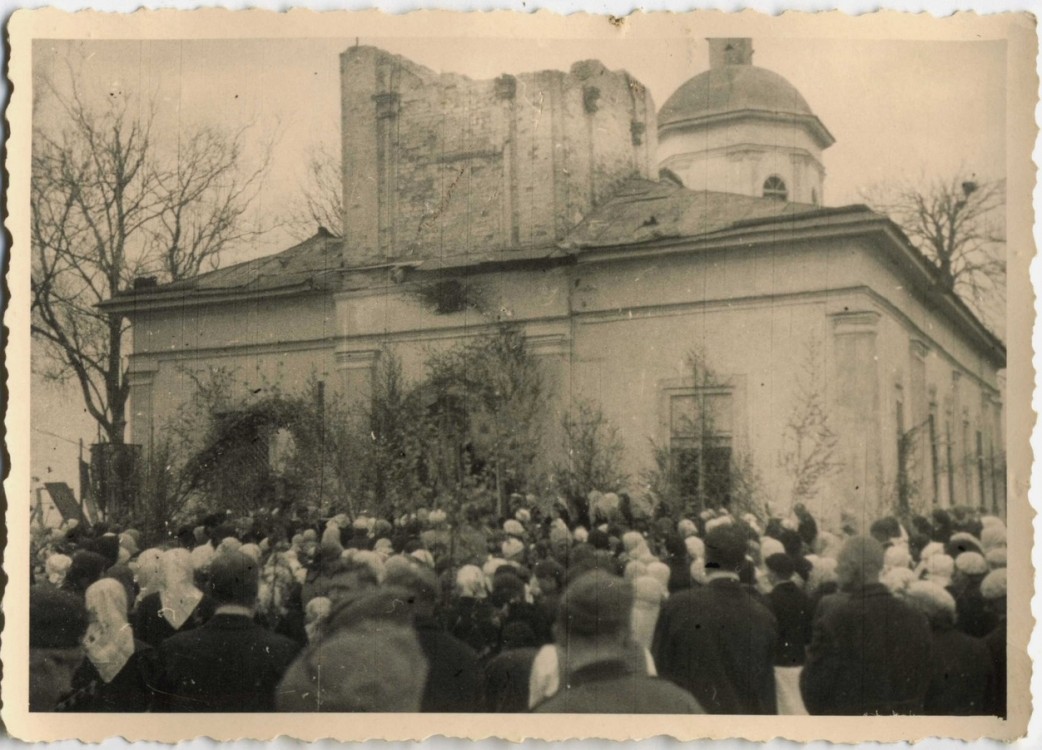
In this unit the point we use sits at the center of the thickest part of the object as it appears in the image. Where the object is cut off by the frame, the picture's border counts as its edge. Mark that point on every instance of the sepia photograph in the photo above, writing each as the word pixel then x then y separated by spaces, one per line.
pixel 659 371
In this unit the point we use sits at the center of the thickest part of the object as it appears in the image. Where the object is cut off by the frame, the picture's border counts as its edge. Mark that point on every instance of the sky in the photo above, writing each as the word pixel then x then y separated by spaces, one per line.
pixel 899 110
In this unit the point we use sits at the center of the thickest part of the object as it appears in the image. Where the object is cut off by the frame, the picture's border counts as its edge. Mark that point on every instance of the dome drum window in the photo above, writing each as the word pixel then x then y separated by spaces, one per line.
pixel 774 187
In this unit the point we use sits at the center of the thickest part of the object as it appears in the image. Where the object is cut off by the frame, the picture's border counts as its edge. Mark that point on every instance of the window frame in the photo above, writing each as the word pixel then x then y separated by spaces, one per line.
pixel 777 191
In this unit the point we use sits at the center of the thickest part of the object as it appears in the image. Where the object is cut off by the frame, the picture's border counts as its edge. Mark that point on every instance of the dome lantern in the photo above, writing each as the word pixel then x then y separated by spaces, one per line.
pixel 743 129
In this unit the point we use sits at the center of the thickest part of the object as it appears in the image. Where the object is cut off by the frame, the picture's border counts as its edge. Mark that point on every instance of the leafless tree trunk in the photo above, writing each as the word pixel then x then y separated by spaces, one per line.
pixel 958 223
pixel 107 206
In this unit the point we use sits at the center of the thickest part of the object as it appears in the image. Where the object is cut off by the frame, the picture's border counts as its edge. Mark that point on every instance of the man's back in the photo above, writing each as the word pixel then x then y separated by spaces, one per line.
pixel 791 609
pixel 611 687
pixel 870 654
pixel 228 664
pixel 718 643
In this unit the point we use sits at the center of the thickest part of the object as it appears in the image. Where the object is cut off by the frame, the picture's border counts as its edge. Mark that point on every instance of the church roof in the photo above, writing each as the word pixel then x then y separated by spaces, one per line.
pixel 728 90
pixel 314 263
pixel 642 211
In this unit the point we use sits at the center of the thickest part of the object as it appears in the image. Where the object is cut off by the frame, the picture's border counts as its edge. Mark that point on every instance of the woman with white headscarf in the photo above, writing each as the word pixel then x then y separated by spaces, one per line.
pixel 178 606
pixel 120 673
pixel 148 574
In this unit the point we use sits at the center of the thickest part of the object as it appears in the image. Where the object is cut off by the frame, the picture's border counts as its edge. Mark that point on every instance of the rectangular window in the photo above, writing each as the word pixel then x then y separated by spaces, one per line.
pixel 701 427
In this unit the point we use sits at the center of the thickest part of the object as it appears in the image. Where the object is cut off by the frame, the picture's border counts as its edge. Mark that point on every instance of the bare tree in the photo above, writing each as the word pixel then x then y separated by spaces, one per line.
pixel 958 223
pixel 109 205
pixel 809 446
pixel 320 202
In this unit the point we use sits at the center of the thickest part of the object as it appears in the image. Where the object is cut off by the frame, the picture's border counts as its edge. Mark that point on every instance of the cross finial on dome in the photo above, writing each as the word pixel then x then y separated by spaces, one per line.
pixel 734 51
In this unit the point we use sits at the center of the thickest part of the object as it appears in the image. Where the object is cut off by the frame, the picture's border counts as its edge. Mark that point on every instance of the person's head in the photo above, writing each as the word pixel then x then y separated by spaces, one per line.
pixel 178 568
pixel 350 577
pixel 993 589
pixel 962 542
pixel 884 530
pixel 939 569
pixel 106 602
pixel 996 558
pixel 507 587
pixel 106 545
pixel 695 548
pixel 470 582
pixel 57 624
pixel 550 576
pixel 993 536
pixel 86 568
pixel 57 566
pixel 860 562
pixel 936 604
pixel 780 568
pixel 595 609
pixel 971 566
pixel 421 583
pixel 725 546
pixel 234 579
pixel 897 580
pixel 897 556
pixel 372 667
pixel 147 570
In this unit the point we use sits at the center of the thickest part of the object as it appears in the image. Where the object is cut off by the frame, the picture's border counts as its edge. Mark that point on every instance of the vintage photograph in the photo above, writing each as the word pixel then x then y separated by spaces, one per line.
pixel 519 374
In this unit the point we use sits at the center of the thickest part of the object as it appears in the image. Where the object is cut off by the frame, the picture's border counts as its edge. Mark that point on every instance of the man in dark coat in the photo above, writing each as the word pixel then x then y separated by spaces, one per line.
pixel 454 680
pixel 717 641
pixel 870 653
pixel 230 663
pixel 791 608
pixel 594 625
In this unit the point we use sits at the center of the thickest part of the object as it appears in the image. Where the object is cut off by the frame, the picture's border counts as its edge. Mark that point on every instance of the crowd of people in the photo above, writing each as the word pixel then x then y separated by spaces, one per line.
pixel 718 613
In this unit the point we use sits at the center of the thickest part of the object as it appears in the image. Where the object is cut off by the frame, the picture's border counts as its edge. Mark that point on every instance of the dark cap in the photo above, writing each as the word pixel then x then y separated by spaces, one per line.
pixel 781 565
pixel 597 603
pixel 57 619
pixel 725 548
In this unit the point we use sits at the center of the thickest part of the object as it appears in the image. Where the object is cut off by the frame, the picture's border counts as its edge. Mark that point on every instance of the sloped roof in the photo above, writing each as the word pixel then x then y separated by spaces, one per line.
pixel 642 211
pixel 313 263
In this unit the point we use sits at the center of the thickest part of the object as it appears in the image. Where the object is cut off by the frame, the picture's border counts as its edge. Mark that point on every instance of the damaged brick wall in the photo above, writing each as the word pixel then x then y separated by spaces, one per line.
pixel 437 165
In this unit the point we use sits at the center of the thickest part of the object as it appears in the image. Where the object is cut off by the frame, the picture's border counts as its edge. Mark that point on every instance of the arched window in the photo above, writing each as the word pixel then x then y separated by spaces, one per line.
pixel 814 196
pixel 774 187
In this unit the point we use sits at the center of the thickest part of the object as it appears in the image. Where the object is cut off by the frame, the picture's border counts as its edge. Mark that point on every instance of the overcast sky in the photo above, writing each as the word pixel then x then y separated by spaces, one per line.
pixel 898 110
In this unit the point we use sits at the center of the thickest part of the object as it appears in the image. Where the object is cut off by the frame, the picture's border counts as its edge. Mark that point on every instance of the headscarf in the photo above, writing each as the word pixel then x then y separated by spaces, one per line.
pixel 201 556
pixel 993 536
pixel 178 596
pixel 109 641
pixel 57 566
pixel 897 580
pixel 634 570
pixel 470 582
pixel 660 572
pixel 939 569
pixel 897 556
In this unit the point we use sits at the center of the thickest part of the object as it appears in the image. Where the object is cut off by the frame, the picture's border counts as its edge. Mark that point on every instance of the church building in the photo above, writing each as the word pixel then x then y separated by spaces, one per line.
pixel 623 239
